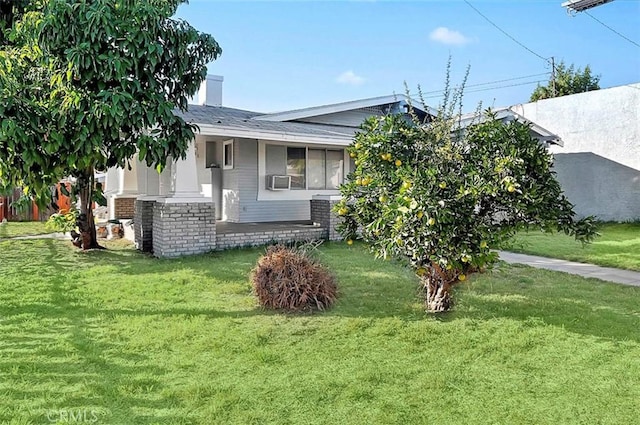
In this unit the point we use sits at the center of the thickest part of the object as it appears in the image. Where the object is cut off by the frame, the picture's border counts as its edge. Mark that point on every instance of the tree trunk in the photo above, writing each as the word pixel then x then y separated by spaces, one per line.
pixel 437 285
pixel 85 221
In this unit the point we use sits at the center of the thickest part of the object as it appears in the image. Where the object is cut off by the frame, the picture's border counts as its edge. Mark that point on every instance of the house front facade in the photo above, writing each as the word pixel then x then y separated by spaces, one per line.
pixel 247 168
pixel 256 167
pixel 267 167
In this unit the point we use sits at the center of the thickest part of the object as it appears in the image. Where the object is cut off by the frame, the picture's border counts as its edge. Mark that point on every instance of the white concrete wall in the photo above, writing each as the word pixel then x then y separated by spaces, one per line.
pixel 605 123
pixel 598 186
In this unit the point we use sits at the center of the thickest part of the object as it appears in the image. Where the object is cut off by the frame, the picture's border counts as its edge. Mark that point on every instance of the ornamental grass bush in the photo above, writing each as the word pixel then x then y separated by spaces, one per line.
pixel 289 278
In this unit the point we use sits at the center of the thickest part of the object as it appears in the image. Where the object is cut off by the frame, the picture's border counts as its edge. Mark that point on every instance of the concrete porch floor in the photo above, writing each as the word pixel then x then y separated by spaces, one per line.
pixel 225 228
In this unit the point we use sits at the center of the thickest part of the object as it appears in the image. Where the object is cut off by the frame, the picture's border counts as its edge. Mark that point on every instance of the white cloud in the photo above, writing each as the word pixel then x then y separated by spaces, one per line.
pixel 446 36
pixel 349 77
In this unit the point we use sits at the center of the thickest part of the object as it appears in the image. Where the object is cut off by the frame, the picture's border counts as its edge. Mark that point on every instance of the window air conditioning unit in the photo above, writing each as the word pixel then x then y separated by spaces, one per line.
pixel 279 182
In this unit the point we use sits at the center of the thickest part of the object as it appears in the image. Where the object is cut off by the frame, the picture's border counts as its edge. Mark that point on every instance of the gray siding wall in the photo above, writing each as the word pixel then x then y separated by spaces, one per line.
pixel 241 186
pixel 598 186
pixel 347 118
pixel 257 211
pixel 236 178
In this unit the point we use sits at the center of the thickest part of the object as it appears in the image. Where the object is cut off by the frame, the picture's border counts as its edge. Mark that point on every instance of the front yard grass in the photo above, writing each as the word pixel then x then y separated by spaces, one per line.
pixel 12 229
pixel 618 246
pixel 129 339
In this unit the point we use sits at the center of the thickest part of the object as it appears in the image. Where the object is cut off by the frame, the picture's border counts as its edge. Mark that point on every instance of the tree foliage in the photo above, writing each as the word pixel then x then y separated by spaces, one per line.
pixel 88 84
pixel 442 197
pixel 567 80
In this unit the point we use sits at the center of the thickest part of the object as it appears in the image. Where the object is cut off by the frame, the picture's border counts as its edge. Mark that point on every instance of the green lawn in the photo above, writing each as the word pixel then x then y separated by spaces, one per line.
pixel 618 246
pixel 22 228
pixel 127 339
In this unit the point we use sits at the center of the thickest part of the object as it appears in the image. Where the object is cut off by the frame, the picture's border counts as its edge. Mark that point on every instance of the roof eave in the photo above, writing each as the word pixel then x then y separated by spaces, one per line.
pixel 297 114
pixel 544 134
pixel 506 114
pixel 224 131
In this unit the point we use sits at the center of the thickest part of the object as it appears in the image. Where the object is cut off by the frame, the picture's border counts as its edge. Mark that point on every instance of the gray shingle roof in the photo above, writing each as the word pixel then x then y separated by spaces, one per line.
pixel 241 119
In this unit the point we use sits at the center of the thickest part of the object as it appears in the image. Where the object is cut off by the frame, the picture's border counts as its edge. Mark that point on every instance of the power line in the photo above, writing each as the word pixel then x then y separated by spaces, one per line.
pixel 441 92
pixel 490 83
pixel 506 86
pixel 508 79
pixel 611 29
pixel 506 33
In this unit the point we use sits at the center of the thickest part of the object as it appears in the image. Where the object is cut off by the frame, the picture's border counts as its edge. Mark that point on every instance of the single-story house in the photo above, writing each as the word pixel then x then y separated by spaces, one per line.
pixel 273 168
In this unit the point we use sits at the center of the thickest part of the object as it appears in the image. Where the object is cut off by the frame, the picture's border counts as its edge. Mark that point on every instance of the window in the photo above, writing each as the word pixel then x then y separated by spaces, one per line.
pixel 325 168
pixel 296 167
pixel 210 154
pixel 334 169
pixel 227 159
pixel 317 171
pixel 309 168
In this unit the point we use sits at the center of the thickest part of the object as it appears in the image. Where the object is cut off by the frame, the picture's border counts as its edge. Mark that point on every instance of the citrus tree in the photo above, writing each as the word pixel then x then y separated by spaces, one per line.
pixel 442 197
pixel 89 84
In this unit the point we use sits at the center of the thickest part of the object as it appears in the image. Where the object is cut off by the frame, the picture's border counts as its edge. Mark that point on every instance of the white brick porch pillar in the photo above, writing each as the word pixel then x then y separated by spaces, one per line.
pixel 184 178
pixel 184 221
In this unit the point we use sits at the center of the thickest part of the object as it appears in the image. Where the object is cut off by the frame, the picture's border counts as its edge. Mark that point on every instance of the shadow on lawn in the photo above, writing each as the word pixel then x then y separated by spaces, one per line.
pixel 587 307
pixel 56 360
pixel 362 291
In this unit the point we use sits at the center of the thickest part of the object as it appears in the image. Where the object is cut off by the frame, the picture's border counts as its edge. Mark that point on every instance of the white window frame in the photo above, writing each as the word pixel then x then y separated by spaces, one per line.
pixel 325 150
pixel 297 194
pixel 225 165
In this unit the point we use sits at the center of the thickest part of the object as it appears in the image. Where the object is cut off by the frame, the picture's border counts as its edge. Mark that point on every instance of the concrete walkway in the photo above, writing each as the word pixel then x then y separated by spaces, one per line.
pixel 625 277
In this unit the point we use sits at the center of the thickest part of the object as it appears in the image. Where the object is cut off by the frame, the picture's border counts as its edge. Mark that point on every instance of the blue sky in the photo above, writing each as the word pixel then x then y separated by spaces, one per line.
pixel 280 55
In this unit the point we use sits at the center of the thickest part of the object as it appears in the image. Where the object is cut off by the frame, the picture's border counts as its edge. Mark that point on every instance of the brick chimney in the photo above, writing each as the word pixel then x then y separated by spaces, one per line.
pixel 210 93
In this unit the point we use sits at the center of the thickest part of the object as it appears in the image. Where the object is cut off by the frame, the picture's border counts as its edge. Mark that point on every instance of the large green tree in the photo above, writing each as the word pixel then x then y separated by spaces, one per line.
pixel 89 84
pixel 567 80
pixel 441 197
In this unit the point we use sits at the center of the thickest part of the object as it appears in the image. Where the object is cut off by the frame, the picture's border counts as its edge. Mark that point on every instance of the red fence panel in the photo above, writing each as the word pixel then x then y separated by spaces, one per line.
pixel 10 212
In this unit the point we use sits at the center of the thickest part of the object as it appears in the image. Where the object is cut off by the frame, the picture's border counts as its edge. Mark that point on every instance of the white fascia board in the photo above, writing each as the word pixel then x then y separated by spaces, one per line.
pixel 340 107
pixel 209 130
pixel 507 115
pixel 545 135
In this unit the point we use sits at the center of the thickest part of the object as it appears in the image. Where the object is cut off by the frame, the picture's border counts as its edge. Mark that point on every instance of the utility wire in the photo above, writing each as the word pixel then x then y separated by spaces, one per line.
pixel 506 86
pixel 506 33
pixel 491 83
pixel 508 79
pixel 611 29
pixel 441 92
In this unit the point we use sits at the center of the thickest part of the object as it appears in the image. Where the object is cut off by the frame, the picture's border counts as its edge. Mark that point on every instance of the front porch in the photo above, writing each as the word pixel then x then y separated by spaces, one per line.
pixel 171 227
pixel 174 217
pixel 232 235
